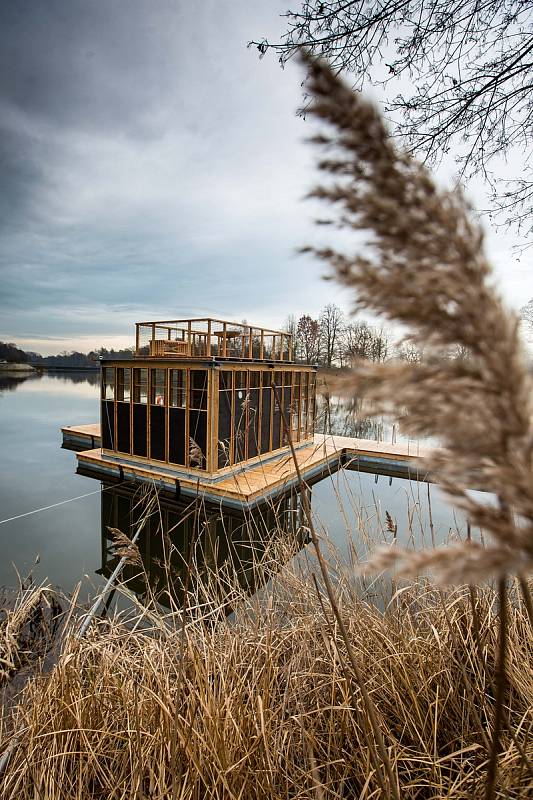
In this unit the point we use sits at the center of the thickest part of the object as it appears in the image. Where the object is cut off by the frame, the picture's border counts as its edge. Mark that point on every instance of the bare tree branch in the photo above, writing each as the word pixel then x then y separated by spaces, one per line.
pixel 469 68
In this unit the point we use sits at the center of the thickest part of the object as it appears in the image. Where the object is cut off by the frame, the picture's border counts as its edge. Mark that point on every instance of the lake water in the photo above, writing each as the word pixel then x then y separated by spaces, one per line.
pixel 70 540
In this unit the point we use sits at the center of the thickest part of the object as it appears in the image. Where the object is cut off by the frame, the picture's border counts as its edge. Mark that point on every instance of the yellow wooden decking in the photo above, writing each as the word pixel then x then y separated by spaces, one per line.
pixel 257 481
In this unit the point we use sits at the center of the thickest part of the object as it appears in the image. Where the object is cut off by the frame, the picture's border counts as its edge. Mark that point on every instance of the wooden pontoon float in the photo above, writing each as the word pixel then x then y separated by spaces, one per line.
pixel 197 411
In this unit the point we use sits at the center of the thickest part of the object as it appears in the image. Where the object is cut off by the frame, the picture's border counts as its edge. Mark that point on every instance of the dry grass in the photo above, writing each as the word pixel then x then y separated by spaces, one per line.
pixel 27 624
pixel 265 703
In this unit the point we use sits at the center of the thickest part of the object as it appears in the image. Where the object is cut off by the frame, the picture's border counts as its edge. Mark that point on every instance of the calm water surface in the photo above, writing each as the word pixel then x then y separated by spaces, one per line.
pixel 69 540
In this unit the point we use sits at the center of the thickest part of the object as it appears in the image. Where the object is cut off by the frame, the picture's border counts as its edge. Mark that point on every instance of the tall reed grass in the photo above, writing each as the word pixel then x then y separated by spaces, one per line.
pixel 191 703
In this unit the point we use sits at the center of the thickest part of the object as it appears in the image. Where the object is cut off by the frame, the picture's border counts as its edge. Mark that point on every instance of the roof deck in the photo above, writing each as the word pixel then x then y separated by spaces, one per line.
pixel 211 338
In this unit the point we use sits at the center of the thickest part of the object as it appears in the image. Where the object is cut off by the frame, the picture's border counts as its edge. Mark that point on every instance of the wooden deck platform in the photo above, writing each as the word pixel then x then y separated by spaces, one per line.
pixel 258 482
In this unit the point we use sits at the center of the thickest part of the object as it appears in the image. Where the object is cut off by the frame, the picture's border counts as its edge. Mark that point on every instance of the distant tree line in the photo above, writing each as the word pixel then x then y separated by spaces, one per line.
pixel 10 352
pixel 331 340
pixel 66 360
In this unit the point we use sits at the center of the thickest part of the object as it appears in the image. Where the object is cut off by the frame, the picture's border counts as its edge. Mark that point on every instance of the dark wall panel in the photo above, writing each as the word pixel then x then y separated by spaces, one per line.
pixel 176 443
pixel 108 424
pixel 158 433
pixel 139 429
pixel 123 427
pixel 240 425
pixel 265 421
pixel 286 400
pixel 276 427
pixel 224 428
pixel 253 422
pixel 198 431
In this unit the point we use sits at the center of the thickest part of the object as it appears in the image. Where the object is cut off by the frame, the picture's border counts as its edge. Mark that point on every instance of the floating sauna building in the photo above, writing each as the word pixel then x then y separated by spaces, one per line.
pixel 198 396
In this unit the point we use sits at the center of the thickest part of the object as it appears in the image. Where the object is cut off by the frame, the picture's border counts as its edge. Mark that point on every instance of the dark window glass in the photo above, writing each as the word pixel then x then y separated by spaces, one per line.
pixel 123 384
pixel 240 379
pixel 254 379
pixel 266 378
pixel 108 383
pixel 157 393
pixel 198 397
pixel 178 388
pixel 303 416
pixel 294 415
pixel 140 385
pixel 226 380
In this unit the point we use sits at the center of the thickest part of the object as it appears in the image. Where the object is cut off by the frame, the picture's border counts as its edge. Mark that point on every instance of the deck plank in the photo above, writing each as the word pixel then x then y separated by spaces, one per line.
pixel 254 481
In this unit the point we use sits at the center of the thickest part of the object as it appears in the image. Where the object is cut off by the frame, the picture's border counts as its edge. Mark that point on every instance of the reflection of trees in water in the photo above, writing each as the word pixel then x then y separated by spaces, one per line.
pixel 345 417
pixel 9 383
pixel 91 377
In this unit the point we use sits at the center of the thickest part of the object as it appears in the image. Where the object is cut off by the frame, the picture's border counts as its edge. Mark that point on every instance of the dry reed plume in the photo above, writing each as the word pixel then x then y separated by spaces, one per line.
pixel 425 267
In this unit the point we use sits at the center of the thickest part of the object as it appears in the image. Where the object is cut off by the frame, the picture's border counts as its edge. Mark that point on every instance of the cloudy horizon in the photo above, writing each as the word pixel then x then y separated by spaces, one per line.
pixel 154 167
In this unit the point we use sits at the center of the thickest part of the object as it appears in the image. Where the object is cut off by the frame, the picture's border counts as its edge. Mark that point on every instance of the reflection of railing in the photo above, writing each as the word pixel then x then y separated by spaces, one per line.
pixel 211 337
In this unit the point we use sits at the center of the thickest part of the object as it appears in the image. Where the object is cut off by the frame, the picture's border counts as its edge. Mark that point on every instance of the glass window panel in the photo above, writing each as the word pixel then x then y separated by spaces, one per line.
pixel 157 392
pixel 226 379
pixel 311 416
pixel 295 410
pixel 123 384
pixel 240 379
pixel 108 383
pixel 266 378
pixel 140 385
pixel 287 377
pixel 198 378
pixel 254 379
pixel 178 388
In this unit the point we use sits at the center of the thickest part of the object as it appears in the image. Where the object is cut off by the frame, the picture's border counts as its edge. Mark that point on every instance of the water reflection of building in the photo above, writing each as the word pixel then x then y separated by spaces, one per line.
pixel 205 550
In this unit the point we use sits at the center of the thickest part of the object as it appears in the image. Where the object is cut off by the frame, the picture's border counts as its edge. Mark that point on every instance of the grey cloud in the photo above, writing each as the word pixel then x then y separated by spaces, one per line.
pixel 149 163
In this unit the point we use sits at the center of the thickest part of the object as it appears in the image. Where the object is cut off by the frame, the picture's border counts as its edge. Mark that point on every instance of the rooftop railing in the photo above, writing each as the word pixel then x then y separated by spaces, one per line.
pixel 200 338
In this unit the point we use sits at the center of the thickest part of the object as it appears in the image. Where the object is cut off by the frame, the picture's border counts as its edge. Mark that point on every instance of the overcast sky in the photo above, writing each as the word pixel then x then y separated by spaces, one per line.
pixel 153 167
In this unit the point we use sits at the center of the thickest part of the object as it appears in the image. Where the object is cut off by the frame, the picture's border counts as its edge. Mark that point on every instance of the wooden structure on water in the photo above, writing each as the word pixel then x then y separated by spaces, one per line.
pixel 205 395
pixel 252 485
pixel 199 410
